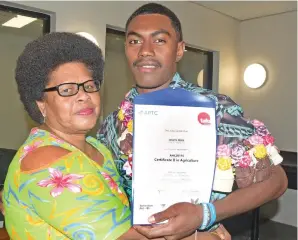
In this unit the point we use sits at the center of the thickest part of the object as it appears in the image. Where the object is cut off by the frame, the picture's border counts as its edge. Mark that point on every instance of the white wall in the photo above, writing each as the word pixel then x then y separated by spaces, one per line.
pixel 272 41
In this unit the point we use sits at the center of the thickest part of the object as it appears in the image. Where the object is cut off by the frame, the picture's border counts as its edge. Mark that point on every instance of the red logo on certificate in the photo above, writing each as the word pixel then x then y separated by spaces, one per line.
pixel 204 118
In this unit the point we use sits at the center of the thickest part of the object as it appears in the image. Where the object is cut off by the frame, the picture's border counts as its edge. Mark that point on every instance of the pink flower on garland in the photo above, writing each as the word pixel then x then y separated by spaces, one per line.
pixel 255 140
pixel 125 112
pixel 59 182
pixel 237 152
pixel 257 123
pixel 126 105
pixel 245 161
pixel 262 131
pixel 127 167
pixel 269 139
pixel 223 151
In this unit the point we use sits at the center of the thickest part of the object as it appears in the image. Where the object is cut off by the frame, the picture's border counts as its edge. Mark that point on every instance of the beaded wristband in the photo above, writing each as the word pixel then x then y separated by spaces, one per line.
pixel 206 216
pixel 212 213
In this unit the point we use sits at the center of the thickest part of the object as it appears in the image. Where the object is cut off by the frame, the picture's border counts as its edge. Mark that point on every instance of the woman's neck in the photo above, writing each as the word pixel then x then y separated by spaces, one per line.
pixel 76 139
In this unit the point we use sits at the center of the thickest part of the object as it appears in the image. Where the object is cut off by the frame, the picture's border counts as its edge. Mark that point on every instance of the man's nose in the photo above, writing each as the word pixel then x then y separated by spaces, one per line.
pixel 147 50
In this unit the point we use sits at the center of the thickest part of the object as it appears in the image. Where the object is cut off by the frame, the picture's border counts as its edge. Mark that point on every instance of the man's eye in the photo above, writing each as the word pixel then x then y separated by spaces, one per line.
pixel 134 42
pixel 160 41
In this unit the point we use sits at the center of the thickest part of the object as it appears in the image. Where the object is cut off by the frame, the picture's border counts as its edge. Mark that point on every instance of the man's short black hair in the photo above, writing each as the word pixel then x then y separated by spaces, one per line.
pixel 43 55
pixel 155 8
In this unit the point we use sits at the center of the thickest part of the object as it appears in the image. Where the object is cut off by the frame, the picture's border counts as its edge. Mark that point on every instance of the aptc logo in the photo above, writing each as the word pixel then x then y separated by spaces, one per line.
pixel 204 118
pixel 148 113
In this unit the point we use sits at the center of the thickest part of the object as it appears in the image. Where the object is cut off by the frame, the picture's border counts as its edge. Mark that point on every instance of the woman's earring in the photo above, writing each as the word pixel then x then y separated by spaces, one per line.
pixel 44 118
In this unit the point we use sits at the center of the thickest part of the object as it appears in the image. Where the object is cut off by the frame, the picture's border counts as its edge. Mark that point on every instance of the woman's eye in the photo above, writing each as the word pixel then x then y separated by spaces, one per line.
pixel 90 87
pixel 66 90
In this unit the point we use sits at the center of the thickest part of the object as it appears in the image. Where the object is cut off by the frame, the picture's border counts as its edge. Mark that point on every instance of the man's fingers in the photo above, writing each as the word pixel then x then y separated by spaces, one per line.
pixel 163 216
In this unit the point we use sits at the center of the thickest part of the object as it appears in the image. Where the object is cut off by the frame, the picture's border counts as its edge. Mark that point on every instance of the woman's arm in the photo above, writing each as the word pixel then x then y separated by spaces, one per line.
pixel 218 234
pixel 70 194
pixel 132 234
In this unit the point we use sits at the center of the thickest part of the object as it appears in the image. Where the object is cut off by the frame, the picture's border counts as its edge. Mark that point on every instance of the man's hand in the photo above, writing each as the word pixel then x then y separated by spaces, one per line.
pixel 183 220
pixel 1 203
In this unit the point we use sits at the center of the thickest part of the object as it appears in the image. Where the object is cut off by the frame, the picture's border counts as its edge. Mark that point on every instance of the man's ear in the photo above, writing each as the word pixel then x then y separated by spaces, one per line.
pixel 180 50
pixel 42 107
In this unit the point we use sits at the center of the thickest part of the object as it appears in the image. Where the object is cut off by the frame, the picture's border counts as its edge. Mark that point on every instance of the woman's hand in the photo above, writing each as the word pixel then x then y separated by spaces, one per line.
pixel 1 202
pixel 132 234
pixel 222 233
pixel 219 234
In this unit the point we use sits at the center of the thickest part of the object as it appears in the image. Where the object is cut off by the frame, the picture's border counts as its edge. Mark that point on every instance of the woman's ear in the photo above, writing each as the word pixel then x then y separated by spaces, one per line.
pixel 42 107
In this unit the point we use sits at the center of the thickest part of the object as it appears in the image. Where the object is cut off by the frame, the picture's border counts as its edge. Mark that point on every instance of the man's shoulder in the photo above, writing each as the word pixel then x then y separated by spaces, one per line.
pixel 232 125
pixel 224 103
pixel 110 120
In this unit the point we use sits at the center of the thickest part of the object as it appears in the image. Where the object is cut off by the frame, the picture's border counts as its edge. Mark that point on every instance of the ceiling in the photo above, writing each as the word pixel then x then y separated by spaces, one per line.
pixel 245 10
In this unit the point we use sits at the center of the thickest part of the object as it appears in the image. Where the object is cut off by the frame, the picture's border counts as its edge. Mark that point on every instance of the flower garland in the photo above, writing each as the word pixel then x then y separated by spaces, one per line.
pixel 125 115
pixel 249 152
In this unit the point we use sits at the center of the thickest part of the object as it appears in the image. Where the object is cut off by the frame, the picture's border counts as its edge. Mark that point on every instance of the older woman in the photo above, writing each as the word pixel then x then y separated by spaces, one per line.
pixel 60 184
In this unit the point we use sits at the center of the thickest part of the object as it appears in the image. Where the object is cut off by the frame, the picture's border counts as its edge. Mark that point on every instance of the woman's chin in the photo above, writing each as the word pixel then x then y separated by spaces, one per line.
pixel 85 126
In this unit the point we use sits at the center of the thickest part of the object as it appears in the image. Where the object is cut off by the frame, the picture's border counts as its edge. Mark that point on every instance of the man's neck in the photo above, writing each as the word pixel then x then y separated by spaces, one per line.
pixel 148 90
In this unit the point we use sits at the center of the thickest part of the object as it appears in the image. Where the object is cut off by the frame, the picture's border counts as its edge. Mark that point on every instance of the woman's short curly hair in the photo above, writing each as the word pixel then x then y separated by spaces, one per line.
pixel 43 55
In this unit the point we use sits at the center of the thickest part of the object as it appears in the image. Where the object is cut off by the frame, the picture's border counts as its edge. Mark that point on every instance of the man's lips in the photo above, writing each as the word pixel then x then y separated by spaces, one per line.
pixel 146 66
pixel 86 111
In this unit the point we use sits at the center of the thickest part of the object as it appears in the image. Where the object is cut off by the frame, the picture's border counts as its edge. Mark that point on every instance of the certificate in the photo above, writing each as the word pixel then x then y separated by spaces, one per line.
pixel 174 151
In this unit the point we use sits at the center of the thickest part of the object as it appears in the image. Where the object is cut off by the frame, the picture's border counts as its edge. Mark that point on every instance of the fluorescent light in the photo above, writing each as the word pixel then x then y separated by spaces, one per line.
pixel 19 21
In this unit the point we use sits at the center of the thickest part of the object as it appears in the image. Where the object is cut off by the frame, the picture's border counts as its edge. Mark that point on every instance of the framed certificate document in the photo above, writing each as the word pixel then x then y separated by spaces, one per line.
pixel 174 150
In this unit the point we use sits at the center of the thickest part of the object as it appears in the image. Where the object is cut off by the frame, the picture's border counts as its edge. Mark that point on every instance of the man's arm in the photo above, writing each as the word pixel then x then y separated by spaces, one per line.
pixel 257 194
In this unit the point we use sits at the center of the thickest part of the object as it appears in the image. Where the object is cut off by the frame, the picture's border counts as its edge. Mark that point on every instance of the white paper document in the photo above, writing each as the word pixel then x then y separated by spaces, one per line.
pixel 174 156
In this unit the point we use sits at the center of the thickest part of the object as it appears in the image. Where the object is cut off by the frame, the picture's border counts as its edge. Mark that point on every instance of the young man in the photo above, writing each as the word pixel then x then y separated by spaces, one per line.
pixel 154 45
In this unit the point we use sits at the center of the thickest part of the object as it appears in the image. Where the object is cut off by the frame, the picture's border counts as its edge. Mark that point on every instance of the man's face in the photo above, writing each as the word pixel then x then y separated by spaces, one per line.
pixel 152 50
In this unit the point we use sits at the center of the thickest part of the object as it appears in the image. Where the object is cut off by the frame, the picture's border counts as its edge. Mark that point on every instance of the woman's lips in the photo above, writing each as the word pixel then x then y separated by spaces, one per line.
pixel 86 111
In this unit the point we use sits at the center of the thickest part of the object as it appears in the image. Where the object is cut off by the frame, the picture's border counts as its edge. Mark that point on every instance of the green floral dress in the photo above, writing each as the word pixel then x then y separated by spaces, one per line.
pixel 72 198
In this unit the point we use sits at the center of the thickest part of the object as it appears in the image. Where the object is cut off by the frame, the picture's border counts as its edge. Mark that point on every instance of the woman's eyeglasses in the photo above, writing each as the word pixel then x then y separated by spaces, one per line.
pixel 71 89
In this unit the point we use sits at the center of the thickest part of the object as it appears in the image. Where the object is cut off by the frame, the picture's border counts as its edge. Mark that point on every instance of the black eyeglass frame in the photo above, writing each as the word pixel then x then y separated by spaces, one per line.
pixel 56 88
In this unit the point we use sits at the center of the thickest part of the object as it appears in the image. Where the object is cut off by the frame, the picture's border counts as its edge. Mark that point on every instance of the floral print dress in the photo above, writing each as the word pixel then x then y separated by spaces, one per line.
pixel 72 198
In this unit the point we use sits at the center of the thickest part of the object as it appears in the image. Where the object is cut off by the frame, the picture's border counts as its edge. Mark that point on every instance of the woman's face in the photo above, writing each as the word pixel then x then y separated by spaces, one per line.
pixel 72 114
